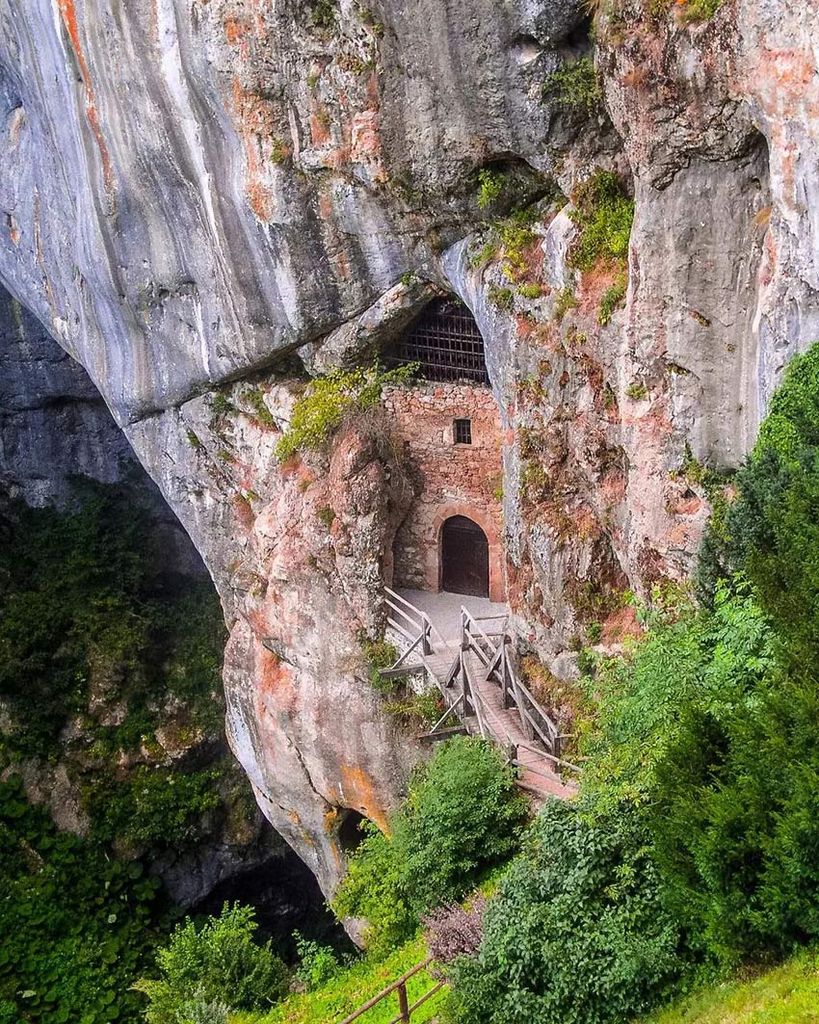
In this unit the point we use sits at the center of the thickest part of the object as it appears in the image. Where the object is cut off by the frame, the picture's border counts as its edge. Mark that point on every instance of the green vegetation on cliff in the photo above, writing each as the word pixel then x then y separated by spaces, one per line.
pixel 88 614
pixel 109 682
pixel 328 400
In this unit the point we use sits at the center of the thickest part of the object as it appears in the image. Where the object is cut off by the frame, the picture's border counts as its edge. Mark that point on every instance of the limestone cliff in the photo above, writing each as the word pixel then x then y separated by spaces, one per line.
pixel 194 189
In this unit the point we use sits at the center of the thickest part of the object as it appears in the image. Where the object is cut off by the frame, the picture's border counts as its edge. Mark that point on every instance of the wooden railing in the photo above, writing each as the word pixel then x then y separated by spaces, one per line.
pixel 399 987
pixel 493 651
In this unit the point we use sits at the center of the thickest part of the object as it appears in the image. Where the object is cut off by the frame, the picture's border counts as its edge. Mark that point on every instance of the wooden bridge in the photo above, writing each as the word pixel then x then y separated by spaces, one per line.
pixel 482 692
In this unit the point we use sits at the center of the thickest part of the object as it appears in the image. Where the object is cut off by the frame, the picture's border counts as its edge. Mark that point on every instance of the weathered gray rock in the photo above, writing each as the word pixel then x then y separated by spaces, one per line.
pixel 194 189
pixel 53 421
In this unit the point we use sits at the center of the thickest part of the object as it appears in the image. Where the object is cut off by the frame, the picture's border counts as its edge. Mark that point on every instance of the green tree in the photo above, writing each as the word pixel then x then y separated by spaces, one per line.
pixel 577 931
pixel 462 817
pixel 219 963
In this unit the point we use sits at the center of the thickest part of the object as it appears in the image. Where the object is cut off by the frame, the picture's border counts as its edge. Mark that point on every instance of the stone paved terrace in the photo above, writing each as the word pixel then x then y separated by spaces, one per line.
pixel 444 611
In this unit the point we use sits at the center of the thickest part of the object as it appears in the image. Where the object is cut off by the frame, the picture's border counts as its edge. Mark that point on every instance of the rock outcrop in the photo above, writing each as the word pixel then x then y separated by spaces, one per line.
pixel 194 191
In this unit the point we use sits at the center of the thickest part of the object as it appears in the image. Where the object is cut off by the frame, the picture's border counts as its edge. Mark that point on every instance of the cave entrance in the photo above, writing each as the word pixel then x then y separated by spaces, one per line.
pixel 445 342
pixel 350 834
pixel 464 557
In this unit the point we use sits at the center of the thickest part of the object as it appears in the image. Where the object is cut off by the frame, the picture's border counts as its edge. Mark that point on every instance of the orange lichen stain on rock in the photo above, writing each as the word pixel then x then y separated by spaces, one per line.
pixel 275 691
pixel 13 229
pixel 235 30
pixel 260 200
pixel 319 125
pixel 360 792
pixel 621 625
pixel 365 145
pixel 255 124
pixel 69 17
pixel 16 122
pixel 307 837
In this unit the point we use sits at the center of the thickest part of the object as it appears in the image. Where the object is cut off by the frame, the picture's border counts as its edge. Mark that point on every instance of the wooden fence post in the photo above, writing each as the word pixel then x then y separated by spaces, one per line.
pixel 403 1004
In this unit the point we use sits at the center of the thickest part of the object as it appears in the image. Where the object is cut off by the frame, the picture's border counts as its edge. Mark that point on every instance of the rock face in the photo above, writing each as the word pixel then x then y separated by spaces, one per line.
pixel 53 421
pixel 192 191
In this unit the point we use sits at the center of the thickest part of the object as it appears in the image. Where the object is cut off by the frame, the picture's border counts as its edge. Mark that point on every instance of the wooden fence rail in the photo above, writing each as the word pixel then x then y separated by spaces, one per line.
pixel 399 987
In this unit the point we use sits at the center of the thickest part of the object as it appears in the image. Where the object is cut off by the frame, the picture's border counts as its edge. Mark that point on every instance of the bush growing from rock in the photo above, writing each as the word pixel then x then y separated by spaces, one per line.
pixel 461 818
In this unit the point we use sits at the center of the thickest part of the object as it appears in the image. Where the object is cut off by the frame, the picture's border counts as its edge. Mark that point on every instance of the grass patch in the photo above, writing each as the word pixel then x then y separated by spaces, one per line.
pixel 352 988
pixel 603 214
pixel 612 300
pixel 787 995
pixel 327 400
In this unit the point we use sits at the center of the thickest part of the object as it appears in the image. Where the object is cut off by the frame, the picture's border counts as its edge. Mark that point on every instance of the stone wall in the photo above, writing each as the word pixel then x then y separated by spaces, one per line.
pixel 451 479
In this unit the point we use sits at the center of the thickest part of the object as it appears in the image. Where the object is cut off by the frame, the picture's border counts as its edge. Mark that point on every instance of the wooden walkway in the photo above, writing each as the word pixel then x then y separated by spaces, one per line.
pixel 480 686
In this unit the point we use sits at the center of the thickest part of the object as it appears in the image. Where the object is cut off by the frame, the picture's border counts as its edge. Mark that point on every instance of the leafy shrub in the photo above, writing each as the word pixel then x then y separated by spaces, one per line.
pixel 379 654
pixel 603 214
pixel 374 889
pixel 574 87
pixel 455 930
pixel 327 400
pixel 577 931
pixel 218 963
pixel 461 817
pixel 317 963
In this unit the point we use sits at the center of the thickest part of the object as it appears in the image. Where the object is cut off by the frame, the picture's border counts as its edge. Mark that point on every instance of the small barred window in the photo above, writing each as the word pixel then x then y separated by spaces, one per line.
pixel 463 432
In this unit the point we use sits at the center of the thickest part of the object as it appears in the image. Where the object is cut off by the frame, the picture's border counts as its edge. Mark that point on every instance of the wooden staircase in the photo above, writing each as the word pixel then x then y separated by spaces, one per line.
pixel 482 692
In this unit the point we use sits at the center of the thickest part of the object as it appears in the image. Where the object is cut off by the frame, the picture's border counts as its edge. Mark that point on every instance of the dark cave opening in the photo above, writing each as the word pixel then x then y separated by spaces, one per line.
pixel 287 899
pixel 350 833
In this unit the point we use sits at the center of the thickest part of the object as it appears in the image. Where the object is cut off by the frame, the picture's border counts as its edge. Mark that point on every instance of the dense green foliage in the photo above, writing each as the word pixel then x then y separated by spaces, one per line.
pixel 771 532
pixel 328 400
pixel 77 926
pixel 460 819
pixel 603 214
pixel 154 805
pixel 84 603
pixel 219 965
pixel 577 932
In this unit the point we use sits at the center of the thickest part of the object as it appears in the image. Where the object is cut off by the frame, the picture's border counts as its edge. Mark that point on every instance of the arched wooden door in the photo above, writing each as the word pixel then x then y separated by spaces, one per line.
pixel 464 557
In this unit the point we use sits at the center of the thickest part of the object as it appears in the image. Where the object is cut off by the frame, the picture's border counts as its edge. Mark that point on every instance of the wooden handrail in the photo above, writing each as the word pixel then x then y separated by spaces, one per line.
pixel 399 986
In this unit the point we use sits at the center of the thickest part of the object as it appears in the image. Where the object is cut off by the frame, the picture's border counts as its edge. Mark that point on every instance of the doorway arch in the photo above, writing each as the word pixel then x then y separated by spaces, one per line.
pixel 464 557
